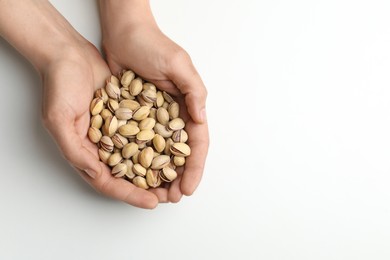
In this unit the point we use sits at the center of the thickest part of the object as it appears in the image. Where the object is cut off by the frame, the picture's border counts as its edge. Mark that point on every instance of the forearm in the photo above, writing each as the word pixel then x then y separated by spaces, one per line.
pixel 37 30
pixel 117 15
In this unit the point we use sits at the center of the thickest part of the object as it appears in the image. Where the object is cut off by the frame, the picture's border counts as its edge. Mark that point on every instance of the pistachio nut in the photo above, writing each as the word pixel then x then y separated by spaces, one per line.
pixel 179 161
pixel 165 105
pixel 153 178
pixel 106 144
pixel 129 173
pixel 145 157
pixel 129 150
pixel 97 121
pixel 180 149
pixel 168 174
pixel 162 130
pixel 159 99
pixel 173 110
pixel 130 104
pixel 114 159
pixel 153 113
pixel 162 116
pixel 167 97
pixel 114 80
pixel 128 130
pixel 159 143
pixel 176 124
pixel 147 124
pixel 111 125
pixel 94 135
pixel 123 113
pixel 119 141
pixel 145 135
pixel 168 143
pixel 135 86
pixel 149 86
pixel 121 123
pixel 139 170
pixel 112 105
pixel 127 77
pixel 160 162
pixel 104 155
pixel 180 136
pixel 133 122
pixel 119 170
pixel 112 90
pixel 140 182
pixel 141 113
pixel 125 93
pixel 149 95
pixel 96 106
pixel 105 113
pixel 101 93
pixel 135 157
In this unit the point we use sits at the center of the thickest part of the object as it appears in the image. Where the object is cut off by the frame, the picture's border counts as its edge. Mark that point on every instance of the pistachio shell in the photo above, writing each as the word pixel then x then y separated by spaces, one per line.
pixel 135 86
pixel 130 104
pixel 176 124
pixel 167 97
pixel 121 123
pixel 114 80
pixel 101 93
pixel 129 150
pixel 153 178
pixel 162 116
pixel 96 106
pixel 94 135
pixel 159 99
pixel 133 122
pixel 97 121
pixel 168 174
pixel 159 143
pixel 106 144
pixel 129 173
pixel 119 170
pixel 168 143
pixel 165 105
pixel 153 113
pixel 173 110
pixel 140 182
pixel 149 95
pixel 145 135
pixel 127 77
pixel 105 113
pixel 147 124
pixel 135 157
pixel 180 136
pixel 145 157
pixel 162 130
pixel 148 86
pixel 125 93
pixel 119 141
pixel 139 169
pixel 180 149
pixel 111 125
pixel 128 130
pixel 112 105
pixel 179 161
pixel 104 155
pixel 141 113
pixel 112 90
pixel 123 113
pixel 114 159
pixel 160 162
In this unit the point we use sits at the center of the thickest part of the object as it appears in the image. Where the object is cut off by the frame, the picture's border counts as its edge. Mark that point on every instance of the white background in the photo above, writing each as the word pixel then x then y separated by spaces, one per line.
pixel 299 114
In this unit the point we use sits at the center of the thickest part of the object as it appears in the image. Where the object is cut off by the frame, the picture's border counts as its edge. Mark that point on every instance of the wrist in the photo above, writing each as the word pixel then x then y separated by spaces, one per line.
pixel 119 16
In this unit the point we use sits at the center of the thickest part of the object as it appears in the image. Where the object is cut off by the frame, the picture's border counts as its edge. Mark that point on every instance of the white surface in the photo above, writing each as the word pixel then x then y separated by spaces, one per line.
pixel 298 166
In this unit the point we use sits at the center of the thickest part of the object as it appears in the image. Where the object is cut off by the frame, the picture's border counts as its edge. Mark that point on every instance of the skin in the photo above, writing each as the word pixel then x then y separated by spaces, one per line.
pixel 71 70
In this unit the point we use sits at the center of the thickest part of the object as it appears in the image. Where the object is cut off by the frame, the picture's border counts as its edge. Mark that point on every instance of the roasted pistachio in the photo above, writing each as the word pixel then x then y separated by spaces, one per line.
pixel 141 113
pixel 159 143
pixel 128 130
pixel 126 78
pixel 129 150
pixel 94 134
pixel 139 170
pixel 114 159
pixel 112 90
pixel 167 97
pixel 106 144
pixel 162 116
pixel 130 104
pixel 101 93
pixel 145 157
pixel 123 113
pixel 135 86
pixel 97 121
pixel 147 124
pixel 160 162
pixel 168 174
pixel 180 149
pixel 140 182
pixel 153 178
pixel 173 110
pixel 176 124
pixel 104 155
pixel 159 99
pixel 179 161
pixel 180 136
pixel 119 170
pixel 111 125
pixel 96 106
pixel 145 135
pixel 162 130
pixel 119 141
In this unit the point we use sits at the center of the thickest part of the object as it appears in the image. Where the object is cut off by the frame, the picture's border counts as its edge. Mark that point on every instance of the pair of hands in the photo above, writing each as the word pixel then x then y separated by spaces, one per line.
pixel 69 84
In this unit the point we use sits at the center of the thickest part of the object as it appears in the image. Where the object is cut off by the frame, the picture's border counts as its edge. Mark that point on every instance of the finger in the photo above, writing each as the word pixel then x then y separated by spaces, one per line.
pixel 193 169
pixel 174 193
pixel 72 146
pixel 186 78
pixel 161 194
pixel 121 189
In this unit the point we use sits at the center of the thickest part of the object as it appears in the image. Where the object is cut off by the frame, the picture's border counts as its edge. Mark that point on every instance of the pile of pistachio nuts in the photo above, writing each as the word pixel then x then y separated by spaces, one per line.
pixel 138 131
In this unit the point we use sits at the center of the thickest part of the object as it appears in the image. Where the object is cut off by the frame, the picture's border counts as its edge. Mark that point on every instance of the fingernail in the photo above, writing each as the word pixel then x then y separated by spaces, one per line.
pixel 91 173
pixel 203 115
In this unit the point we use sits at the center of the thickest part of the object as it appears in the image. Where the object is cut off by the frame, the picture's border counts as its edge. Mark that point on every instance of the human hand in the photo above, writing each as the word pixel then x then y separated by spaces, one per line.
pixel 71 69
pixel 139 45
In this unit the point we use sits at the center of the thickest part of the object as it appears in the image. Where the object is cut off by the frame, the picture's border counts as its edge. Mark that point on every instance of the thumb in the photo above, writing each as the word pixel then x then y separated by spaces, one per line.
pixel 188 81
pixel 74 148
